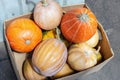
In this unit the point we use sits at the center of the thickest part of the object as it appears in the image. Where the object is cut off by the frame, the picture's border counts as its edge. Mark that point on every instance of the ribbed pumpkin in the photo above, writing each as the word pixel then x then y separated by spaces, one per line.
pixel 78 25
pixel 29 72
pixel 82 56
pixel 49 57
pixel 23 35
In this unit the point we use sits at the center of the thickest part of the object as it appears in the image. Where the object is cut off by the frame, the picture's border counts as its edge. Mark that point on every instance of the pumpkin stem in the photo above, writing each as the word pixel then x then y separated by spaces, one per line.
pixel 98 49
pixel 58 33
pixel 27 42
pixel 44 3
pixel 84 17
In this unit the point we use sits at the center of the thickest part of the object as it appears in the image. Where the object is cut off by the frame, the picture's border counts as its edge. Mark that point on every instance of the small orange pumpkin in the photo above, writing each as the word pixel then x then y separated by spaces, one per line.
pixel 23 35
pixel 78 25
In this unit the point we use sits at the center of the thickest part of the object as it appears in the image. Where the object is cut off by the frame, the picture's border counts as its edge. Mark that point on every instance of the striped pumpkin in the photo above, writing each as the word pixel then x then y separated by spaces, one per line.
pixel 78 25
pixel 49 57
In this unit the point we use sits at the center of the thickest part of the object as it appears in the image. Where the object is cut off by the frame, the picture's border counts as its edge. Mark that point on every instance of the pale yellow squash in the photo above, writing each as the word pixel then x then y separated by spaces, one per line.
pixel 29 72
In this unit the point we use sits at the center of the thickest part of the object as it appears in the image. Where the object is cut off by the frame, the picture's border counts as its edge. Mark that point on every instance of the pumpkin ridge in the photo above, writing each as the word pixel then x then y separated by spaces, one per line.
pixel 61 46
pixel 91 60
pixel 38 49
pixel 71 26
pixel 62 61
pixel 57 64
pixel 91 28
pixel 60 58
pixel 84 33
pixel 54 69
pixel 73 59
pixel 76 31
pixel 48 56
pixel 92 20
pixel 73 50
pixel 42 48
pixel 68 21
pixel 45 61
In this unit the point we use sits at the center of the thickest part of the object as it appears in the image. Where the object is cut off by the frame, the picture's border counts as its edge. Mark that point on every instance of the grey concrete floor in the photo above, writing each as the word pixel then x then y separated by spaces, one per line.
pixel 108 14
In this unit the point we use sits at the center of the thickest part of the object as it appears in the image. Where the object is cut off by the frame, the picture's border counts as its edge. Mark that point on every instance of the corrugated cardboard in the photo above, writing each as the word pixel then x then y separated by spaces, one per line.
pixel 17 59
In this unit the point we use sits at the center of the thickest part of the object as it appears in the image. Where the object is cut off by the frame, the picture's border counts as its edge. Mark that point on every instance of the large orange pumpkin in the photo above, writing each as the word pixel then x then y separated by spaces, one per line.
pixel 23 35
pixel 78 25
pixel 49 57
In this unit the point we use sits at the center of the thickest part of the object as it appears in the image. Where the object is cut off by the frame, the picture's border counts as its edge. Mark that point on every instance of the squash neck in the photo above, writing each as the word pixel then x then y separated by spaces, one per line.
pixel 98 49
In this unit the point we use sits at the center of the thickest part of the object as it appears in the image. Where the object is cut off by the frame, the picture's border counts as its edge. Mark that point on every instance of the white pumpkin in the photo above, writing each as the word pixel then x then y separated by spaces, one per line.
pixel 81 56
pixel 48 14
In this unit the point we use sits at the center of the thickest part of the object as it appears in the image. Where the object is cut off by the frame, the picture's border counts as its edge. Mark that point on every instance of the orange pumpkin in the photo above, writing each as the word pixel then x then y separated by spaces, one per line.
pixel 78 25
pixel 23 35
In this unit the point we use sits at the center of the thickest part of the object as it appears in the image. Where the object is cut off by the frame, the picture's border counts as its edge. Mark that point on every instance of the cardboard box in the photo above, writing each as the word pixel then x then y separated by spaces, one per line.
pixel 17 59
